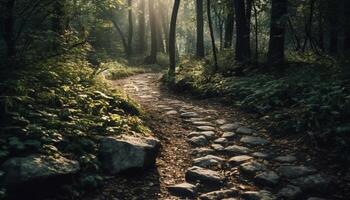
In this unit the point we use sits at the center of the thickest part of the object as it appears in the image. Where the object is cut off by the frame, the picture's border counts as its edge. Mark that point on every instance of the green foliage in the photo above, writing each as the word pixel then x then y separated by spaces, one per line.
pixel 304 100
pixel 61 107
pixel 119 69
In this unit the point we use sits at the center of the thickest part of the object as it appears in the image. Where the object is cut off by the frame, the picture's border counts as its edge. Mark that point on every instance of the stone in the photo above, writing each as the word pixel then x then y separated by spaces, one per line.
pixel 253 140
pixel 235 149
pixel 126 153
pixel 244 130
pixel 202 123
pixel 252 168
pixel 24 171
pixel 195 119
pixel 290 192
pixel 230 127
pixel 314 183
pixel 237 160
pixel 183 190
pixel 220 194
pixel 221 121
pixel 260 195
pixel 201 151
pixel 171 112
pixel 291 171
pixel 208 161
pixel 267 178
pixel 221 141
pixel 198 141
pixel 207 134
pixel 286 159
pixel 228 135
pixel 189 115
pixel 207 177
pixel 217 147
pixel 261 155
pixel 205 128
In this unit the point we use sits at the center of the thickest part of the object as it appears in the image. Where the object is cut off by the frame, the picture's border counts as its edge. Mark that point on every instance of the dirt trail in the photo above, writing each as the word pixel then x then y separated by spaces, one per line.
pixel 232 154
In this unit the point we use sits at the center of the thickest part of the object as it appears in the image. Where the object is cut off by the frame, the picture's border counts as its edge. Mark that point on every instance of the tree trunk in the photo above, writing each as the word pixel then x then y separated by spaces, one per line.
pixel 119 30
pixel 131 28
pixel 200 29
pixel 142 27
pixel 333 26
pixel 242 38
pixel 277 31
pixel 210 23
pixel 165 24
pixel 58 25
pixel 152 59
pixel 172 39
pixel 248 14
pixel 229 25
pixel 8 30
pixel 256 33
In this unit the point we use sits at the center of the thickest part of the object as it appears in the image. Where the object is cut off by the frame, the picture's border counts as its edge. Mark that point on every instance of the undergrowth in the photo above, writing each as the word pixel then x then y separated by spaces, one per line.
pixel 310 99
pixel 60 108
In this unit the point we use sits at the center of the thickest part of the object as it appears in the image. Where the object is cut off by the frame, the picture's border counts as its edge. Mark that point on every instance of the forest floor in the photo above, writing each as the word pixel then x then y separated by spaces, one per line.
pixel 245 156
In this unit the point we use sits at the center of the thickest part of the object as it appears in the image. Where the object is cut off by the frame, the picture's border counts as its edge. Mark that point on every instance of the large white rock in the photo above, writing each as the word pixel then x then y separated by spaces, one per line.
pixel 127 153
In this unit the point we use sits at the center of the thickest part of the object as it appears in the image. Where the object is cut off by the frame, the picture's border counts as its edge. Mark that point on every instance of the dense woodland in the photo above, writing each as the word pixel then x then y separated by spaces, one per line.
pixel 283 62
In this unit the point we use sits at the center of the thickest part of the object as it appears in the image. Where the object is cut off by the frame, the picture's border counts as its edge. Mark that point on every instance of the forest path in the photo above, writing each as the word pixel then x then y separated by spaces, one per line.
pixel 231 155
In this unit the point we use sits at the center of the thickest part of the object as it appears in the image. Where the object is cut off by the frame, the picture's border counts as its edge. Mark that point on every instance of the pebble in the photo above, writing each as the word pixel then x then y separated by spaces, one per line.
pixel 221 121
pixel 201 151
pixel 252 168
pixel 267 178
pixel 209 161
pixel 221 141
pixel 189 115
pixel 228 135
pixel 235 149
pixel 171 112
pixel 217 147
pixel 202 123
pixel 290 192
pixel 207 134
pixel 220 194
pixel 286 159
pixel 290 171
pixel 208 177
pixel 237 160
pixel 205 128
pixel 230 127
pixel 183 190
pixel 244 130
pixel 258 195
pixel 260 155
pixel 253 140
pixel 198 141
pixel 313 183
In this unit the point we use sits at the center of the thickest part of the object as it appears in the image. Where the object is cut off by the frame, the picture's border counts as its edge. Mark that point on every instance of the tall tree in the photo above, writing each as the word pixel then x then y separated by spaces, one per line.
pixel 142 27
pixel 242 32
pixel 131 28
pixel 152 58
pixel 200 29
pixel 277 31
pixel 172 39
pixel 210 23
pixel 8 29
pixel 229 25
